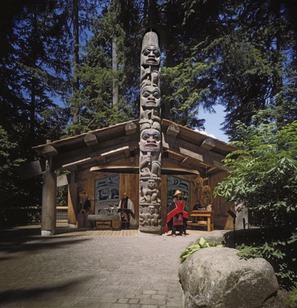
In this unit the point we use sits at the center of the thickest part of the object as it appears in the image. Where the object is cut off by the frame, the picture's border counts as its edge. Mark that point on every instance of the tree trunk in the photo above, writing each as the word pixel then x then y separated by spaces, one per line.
pixel 75 56
pixel 278 72
pixel 115 84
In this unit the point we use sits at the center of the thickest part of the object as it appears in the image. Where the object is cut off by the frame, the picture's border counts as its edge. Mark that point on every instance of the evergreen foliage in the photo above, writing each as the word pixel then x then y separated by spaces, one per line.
pixel 34 72
pixel 263 177
pixel 94 98
pixel 13 192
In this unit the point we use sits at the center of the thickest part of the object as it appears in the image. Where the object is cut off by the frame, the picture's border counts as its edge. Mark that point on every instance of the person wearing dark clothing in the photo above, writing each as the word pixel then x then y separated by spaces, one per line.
pixel 86 209
pixel 87 206
pixel 85 202
pixel 177 215
pixel 126 211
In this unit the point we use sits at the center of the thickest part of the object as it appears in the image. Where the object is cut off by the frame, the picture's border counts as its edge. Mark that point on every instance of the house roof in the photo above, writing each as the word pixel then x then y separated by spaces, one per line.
pixel 115 149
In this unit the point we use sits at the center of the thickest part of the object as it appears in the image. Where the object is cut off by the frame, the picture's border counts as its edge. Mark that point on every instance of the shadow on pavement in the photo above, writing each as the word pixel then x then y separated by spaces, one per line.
pixel 29 239
pixel 35 293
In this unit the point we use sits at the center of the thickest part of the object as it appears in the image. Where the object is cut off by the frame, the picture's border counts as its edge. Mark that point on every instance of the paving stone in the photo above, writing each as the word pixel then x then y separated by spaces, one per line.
pixel 122 301
pixel 133 301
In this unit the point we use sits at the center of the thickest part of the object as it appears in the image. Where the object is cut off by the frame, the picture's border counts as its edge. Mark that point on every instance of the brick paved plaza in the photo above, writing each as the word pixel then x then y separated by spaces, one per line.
pixel 90 269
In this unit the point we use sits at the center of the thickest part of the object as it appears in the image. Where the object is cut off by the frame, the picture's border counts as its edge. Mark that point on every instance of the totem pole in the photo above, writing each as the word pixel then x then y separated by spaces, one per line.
pixel 150 136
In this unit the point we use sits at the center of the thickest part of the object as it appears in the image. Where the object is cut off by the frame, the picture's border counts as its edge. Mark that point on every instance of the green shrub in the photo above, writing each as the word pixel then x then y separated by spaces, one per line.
pixel 280 253
pixel 291 301
pixel 263 177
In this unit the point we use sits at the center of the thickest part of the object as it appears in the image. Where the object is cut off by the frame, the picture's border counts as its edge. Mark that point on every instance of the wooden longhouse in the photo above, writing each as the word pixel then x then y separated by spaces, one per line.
pixel 105 164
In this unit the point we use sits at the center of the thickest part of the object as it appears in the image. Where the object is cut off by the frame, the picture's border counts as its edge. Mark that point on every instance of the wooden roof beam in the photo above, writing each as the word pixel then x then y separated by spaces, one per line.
pixel 191 154
pixel 195 151
pixel 209 171
pixel 93 151
pixel 173 130
pixel 90 139
pixel 130 128
pixel 75 163
pixel 188 157
pixel 220 165
pixel 208 144
pixel 172 154
pixel 124 149
pixel 165 144
pixel 185 162
pixel 48 150
pixel 127 152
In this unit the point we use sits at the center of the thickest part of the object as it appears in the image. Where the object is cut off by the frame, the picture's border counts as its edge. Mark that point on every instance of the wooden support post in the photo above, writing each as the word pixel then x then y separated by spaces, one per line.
pixel 48 212
pixel 72 202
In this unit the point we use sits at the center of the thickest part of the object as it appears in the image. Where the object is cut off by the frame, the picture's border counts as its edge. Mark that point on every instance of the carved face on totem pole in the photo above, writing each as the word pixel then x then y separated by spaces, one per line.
pixel 150 96
pixel 150 140
pixel 150 53
pixel 151 183
pixel 151 209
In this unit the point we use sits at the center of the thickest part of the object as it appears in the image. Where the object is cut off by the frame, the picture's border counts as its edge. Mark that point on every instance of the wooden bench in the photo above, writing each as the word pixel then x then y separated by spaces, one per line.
pixel 202 223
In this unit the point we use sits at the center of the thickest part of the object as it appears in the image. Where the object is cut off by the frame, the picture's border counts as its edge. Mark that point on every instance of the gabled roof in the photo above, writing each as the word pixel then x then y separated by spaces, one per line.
pixel 115 148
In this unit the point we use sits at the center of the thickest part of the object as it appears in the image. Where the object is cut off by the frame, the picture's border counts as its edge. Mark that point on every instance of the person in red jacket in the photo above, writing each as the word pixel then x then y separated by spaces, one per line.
pixel 177 215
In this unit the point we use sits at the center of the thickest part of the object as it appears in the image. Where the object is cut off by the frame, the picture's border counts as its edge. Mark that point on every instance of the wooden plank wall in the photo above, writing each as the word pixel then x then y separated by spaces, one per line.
pixel 129 183
pixel 222 219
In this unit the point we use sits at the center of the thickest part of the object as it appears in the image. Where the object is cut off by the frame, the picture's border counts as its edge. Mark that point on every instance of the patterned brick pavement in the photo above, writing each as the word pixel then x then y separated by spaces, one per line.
pixel 95 268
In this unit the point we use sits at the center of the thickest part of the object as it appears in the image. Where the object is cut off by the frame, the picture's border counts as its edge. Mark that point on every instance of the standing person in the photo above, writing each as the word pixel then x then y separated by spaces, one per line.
pixel 177 215
pixel 86 209
pixel 85 202
pixel 126 210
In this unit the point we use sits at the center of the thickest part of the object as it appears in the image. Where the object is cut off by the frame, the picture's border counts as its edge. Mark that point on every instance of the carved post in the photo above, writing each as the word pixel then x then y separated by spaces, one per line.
pixel 48 211
pixel 150 136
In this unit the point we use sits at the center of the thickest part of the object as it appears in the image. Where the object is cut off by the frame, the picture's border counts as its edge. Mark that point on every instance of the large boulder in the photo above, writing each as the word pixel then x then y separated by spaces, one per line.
pixel 217 236
pixel 217 277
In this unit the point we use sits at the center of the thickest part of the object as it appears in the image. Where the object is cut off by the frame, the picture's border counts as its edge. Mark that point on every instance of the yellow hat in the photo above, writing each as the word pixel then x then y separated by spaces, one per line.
pixel 178 192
